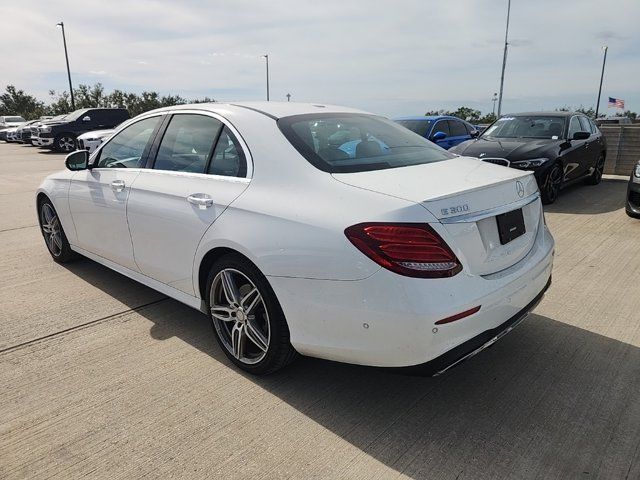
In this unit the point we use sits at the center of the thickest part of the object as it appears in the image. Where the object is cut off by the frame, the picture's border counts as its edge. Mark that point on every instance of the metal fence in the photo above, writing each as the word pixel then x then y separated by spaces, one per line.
pixel 623 148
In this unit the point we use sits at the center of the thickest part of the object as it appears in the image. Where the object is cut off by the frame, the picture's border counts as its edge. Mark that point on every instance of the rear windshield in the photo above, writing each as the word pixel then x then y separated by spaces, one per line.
pixel 346 142
pixel 421 127
pixel 13 119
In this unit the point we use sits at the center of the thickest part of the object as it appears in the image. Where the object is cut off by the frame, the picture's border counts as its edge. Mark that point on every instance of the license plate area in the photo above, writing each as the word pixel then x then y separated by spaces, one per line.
pixel 510 225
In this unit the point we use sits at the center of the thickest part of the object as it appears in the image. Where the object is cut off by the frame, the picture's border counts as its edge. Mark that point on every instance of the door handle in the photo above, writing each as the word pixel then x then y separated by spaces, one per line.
pixel 117 185
pixel 202 200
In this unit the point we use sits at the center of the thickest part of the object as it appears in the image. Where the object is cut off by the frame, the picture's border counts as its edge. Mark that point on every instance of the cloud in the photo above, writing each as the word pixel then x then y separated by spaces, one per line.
pixel 408 56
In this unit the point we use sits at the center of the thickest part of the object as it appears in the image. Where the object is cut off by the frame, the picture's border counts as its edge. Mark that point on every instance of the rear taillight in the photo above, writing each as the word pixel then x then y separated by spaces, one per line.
pixel 411 249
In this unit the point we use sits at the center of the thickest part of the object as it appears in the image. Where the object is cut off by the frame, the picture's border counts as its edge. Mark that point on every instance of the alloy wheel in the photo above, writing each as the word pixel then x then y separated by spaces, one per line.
pixel 51 229
pixel 66 144
pixel 599 169
pixel 240 316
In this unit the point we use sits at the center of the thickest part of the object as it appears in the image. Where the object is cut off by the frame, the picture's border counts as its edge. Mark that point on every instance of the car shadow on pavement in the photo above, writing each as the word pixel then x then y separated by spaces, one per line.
pixel 578 198
pixel 547 400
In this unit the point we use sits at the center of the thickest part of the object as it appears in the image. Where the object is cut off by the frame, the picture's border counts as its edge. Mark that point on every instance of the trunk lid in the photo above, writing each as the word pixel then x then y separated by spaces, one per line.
pixel 465 195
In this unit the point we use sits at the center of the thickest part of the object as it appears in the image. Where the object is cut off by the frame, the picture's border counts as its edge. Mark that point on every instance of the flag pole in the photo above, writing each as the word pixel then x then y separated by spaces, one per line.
pixel 604 60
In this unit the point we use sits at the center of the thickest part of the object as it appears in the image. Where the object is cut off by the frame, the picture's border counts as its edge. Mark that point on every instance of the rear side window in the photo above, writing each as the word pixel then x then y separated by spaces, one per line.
pixel 126 149
pixel 228 158
pixel 457 128
pixel 345 142
pixel 187 143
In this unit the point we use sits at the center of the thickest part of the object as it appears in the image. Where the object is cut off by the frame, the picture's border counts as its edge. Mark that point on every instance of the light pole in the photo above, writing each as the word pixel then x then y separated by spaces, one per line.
pixel 504 58
pixel 288 95
pixel 604 60
pixel 267 59
pixel 66 56
pixel 494 100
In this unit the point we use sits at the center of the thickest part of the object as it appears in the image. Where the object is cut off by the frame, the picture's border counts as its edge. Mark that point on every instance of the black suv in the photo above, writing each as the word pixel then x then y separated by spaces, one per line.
pixel 560 148
pixel 61 135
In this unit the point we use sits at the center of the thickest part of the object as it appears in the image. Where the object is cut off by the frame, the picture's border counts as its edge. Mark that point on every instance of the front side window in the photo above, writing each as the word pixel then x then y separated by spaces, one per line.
pixel 549 127
pixel 346 142
pixel 574 126
pixel 125 150
pixel 187 143
pixel 441 126
pixel 586 127
pixel 457 128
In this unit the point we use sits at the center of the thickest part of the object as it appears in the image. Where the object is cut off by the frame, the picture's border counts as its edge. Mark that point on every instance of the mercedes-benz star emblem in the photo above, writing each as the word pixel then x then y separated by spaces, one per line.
pixel 481 155
pixel 520 188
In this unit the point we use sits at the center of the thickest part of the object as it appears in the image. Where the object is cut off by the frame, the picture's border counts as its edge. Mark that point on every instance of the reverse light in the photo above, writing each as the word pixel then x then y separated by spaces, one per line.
pixel 532 163
pixel 410 249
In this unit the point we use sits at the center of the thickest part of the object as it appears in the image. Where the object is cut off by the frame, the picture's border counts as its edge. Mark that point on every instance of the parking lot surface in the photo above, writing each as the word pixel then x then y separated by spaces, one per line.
pixel 103 377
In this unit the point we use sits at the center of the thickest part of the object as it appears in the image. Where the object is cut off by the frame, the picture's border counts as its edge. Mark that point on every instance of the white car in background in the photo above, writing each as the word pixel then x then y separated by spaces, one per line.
pixel 304 228
pixel 11 135
pixel 91 140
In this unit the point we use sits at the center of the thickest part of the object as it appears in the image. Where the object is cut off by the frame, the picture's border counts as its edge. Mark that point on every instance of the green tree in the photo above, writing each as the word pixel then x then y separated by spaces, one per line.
pixel 17 102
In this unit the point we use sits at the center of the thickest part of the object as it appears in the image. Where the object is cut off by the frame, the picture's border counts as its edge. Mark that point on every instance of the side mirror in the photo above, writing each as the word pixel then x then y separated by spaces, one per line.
pixel 475 133
pixel 438 136
pixel 581 135
pixel 78 160
pixel 86 118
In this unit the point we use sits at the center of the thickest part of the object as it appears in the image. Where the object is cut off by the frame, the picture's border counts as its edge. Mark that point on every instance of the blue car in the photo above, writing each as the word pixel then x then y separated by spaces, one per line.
pixel 442 130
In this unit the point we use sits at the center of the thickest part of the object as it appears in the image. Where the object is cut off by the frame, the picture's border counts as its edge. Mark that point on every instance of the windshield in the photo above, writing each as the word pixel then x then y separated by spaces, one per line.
pixel 77 114
pixel 346 142
pixel 14 119
pixel 526 127
pixel 421 127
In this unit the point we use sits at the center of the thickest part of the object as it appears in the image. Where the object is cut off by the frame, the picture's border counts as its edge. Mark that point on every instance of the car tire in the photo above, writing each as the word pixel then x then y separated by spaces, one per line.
pixel 247 318
pixel 596 176
pixel 53 233
pixel 552 183
pixel 65 143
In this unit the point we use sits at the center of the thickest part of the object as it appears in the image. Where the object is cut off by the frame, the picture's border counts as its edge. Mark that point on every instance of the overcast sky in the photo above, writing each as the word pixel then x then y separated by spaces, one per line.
pixel 389 57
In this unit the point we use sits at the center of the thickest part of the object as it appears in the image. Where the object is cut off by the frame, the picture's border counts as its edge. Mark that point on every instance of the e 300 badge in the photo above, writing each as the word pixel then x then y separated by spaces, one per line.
pixel 455 210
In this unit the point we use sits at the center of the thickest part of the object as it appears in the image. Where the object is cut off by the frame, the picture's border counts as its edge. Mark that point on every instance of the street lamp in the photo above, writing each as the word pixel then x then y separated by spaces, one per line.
pixel 604 60
pixel 266 57
pixel 494 100
pixel 288 95
pixel 504 58
pixel 66 56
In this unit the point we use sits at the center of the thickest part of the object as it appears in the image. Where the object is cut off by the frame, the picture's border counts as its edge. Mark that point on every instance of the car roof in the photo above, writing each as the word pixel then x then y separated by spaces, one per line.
pixel 274 110
pixel 542 114
pixel 430 117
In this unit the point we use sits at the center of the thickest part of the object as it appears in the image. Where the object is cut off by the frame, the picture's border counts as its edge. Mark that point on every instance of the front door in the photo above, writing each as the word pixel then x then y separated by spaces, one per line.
pixel 575 157
pixel 199 169
pixel 98 196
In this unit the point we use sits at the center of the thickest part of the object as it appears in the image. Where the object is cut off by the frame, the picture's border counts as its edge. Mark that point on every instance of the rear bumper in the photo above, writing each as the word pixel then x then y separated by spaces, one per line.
pixel 471 347
pixel 388 320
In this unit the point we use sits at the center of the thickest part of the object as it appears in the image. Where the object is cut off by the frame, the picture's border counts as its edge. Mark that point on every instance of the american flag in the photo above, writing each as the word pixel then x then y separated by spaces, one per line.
pixel 616 102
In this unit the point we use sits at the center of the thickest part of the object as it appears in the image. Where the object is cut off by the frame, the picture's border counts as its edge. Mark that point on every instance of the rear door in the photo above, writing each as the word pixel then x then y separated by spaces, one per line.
pixel 199 167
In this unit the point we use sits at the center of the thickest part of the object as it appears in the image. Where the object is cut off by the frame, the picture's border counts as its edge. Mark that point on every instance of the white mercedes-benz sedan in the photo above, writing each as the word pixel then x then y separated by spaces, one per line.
pixel 310 229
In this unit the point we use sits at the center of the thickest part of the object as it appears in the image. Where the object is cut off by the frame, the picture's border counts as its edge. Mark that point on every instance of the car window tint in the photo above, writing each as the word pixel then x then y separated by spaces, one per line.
pixel 586 127
pixel 125 149
pixel 228 158
pixel 457 128
pixel 421 127
pixel 594 127
pixel 441 126
pixel 187 143
pixel 574 126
